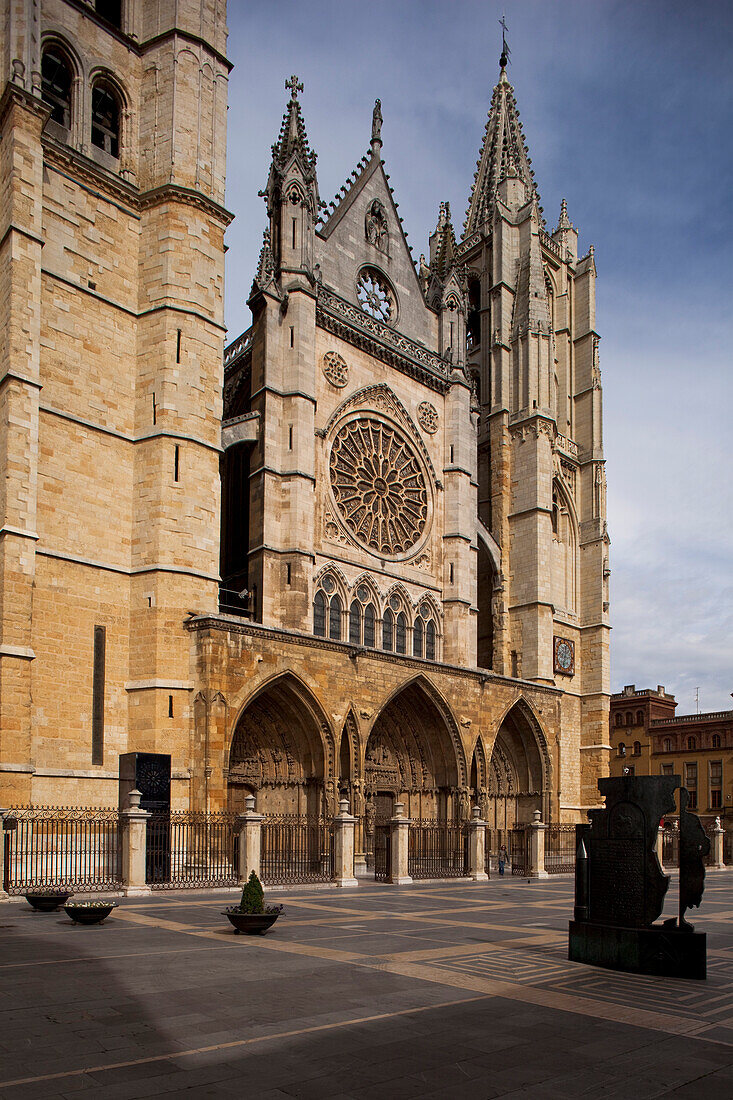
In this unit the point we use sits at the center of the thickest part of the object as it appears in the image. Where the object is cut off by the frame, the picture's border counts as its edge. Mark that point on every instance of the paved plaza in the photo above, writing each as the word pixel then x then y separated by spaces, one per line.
pixel 438 990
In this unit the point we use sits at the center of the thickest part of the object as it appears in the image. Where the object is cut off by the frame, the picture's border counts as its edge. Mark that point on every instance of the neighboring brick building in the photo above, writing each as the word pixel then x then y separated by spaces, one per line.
pixel 647 736
pixel 412 457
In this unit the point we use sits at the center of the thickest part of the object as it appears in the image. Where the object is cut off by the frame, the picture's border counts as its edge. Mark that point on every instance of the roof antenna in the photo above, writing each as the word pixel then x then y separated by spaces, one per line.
pixel 505 51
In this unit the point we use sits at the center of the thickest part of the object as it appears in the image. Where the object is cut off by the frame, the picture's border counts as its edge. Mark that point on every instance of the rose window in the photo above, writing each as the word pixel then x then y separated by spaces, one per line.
pixel 375 295
pixel 378 486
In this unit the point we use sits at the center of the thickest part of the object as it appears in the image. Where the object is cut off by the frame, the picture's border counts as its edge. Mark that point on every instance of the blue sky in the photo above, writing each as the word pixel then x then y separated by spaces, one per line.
pixel 628 113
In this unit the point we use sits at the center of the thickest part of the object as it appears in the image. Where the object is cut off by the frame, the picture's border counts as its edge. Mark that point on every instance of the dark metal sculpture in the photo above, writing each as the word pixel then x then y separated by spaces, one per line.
pixel 620 885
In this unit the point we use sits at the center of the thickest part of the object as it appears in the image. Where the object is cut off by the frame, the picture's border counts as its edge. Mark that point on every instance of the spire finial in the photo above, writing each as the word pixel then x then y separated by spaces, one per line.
pixel 294 85
pixel 505 51
pixel 377 125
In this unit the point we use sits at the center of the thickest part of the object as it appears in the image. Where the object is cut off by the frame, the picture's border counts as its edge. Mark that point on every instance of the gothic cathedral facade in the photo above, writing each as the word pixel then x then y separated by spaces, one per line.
pixel 361 552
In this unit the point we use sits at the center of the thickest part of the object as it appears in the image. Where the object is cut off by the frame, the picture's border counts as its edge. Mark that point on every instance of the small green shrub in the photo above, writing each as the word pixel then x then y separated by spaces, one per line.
pixel 253 896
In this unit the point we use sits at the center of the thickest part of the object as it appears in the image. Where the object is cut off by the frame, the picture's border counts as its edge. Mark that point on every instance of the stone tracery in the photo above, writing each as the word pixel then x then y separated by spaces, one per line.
pixel 378 486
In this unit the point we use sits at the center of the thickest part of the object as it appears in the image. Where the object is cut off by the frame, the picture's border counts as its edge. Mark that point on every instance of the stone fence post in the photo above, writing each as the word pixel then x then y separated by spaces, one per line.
pixel 537 847
pixel 3 893
pixel 477 847
pixel 250 840
pixel 399 836
pixel 716 848
pixel 134 822
pixel 343 846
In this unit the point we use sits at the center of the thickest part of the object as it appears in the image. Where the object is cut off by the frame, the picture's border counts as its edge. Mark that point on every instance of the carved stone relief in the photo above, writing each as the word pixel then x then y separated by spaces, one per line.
pixel 427 417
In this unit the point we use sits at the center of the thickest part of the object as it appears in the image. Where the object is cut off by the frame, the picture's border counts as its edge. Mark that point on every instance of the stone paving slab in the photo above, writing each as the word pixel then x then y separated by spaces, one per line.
pixel 435 990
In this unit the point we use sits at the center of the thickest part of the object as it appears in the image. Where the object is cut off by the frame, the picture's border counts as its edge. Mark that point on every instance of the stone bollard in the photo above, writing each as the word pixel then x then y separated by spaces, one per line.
pixel 134 823
pixel 399 836
pixel 477 847
pixel 537 847
pixel 3 893
pixel 250 840
pixel 343 846
pixel 716 847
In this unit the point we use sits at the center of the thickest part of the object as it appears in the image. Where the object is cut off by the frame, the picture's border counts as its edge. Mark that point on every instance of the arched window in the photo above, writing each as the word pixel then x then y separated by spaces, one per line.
pixel 621 748
pixel 111 10
pixel 401 633
pixel 629 718
pixel 691 743
pixel 388 630
pixel 417 638
pixel 319 615
pixel 355 623
pixel 716 740
pixel 430 641
pixel 619 720
pixel 56 80
pixel 369 621
pixel 106 118
pixel 637 748
pixel 473 321
pixel 667 744
pixel 334 618
pixel 640 717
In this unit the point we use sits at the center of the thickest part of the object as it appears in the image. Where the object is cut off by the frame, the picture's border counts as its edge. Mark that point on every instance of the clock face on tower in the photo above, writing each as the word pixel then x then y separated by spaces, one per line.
pixel 564 653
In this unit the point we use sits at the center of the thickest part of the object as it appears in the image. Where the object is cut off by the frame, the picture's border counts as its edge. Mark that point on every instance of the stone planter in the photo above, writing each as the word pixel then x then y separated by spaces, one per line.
pixel 252 924
pixel 89 912
pixel 47 901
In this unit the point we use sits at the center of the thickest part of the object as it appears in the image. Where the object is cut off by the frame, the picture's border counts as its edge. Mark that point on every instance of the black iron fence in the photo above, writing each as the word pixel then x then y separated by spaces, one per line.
pixel 519 850
pixel 560 849
pixel 191 849
pixel 61 846
pixel 671 846
pixel 437 850
pixel 382 853
pixel 296 849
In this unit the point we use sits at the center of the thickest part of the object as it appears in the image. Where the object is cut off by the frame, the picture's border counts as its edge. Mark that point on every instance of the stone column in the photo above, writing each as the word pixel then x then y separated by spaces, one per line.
pixel 134 822
pixel 477 847
pixel 399 834
pixel 250 840
pixel 3 893
pixel 343 846
pixel 537 847
pixel 716 848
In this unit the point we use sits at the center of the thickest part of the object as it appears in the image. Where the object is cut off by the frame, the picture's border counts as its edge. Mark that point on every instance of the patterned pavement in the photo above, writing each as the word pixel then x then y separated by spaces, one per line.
pixel 442 989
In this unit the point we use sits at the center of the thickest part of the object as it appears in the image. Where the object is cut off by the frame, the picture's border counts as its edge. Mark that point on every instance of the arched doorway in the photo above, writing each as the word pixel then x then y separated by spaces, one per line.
pixel 414 756
pixel 277 753
pixel 514 780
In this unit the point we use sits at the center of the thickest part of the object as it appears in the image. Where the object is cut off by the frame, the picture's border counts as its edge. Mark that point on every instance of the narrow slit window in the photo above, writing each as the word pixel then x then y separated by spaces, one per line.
pixel 176 462
pixel 290 438
pixel 100 645
pixel 170 706
pixel 451 452
pixel 450 573
pixel 178 346
pixel 287 573
pixel 294 224
pixel 292 337
pixel 155 411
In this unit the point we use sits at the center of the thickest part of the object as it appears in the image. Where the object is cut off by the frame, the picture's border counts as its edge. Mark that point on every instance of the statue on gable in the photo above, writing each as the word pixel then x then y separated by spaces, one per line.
pixel 375 226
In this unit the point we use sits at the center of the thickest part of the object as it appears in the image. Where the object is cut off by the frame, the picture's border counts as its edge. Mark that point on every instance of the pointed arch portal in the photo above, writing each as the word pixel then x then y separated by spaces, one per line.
pixel 277 753
pixel 512 781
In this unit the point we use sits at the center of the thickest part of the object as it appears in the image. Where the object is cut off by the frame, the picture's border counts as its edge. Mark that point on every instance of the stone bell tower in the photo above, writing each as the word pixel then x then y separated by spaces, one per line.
pixel 113 128
pixel 533 354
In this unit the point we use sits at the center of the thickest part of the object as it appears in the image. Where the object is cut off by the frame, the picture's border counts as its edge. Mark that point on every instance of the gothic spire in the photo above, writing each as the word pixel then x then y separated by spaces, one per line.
pixel 442 243
pixel 292 137
pixel 503 155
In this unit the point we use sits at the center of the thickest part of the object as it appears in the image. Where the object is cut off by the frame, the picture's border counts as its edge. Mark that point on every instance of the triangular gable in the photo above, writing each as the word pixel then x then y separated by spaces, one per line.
pixel 364 230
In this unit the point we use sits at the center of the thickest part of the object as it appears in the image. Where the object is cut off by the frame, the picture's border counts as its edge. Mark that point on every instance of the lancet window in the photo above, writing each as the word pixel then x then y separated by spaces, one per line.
pixel 327 611
pixel 56 77
pixel 106 114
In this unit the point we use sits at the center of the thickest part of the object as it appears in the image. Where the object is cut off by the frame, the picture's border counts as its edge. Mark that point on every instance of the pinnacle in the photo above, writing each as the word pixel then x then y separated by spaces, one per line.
pixel 503 154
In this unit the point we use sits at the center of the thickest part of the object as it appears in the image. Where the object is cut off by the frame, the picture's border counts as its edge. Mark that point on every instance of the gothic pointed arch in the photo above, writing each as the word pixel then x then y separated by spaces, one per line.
pixel 488 583
pixel 565 544
pixel 521 767
pixel 282 748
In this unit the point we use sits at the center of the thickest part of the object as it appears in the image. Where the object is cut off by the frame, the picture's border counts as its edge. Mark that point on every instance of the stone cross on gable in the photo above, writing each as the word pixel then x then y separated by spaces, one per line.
pixel 294 85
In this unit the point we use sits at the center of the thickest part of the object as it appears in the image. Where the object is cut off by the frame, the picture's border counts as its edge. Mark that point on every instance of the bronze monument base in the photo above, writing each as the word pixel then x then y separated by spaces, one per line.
pixel 666 952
